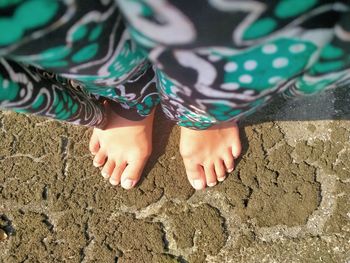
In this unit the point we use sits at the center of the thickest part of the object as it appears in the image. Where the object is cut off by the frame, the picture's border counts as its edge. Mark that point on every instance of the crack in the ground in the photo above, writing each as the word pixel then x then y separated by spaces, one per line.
pixel 47 222
pixel 64 153
pixel 33 158
pixel 89 241
pixel 45 192
pixel 164 237
pixel 6 225
pixel 247 198
pixel 2 125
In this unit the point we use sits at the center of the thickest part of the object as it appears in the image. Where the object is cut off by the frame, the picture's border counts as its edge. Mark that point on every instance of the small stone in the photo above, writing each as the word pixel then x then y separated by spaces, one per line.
pixel 3 235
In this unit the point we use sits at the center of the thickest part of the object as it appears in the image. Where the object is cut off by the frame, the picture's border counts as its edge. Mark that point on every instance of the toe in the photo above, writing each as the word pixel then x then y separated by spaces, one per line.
pixel 229 162
pixel 108 169
pixel 220 170
pixel 131 174
pixel 195 174
pixel 99 158
pixel 210 175
pixel 236 144
pixel 94 144
pixel 117 172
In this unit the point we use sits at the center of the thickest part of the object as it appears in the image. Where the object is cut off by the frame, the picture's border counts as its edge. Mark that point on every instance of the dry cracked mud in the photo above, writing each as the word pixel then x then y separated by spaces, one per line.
pixel 286 201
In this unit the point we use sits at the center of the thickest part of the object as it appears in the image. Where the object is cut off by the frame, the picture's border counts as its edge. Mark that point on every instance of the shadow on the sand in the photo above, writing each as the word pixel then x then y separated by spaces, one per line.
pixel 161 133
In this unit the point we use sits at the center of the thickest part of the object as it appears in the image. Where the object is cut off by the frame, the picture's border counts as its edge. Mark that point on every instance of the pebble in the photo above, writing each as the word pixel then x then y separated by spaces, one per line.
pixel 3 235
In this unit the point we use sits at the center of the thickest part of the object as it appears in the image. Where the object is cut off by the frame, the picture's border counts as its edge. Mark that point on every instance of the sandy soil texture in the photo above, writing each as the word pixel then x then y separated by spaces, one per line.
pixel 288 199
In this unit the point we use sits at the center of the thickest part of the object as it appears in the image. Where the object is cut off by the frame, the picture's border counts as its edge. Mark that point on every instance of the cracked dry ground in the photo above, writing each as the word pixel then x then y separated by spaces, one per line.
pixel 287 201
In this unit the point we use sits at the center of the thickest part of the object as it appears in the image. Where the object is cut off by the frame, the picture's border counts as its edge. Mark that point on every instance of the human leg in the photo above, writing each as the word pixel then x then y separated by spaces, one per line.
pixel 83 40
pixel 86 41
pixel 27 89
pixel 208 76
pixel 331 68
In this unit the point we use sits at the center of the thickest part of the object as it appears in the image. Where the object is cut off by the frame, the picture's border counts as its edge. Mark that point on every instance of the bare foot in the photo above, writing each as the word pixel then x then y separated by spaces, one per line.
pixel 122 148
pixel 209 154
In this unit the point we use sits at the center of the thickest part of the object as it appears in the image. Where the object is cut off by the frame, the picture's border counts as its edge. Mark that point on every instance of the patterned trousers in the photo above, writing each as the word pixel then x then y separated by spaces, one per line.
pixel 204 61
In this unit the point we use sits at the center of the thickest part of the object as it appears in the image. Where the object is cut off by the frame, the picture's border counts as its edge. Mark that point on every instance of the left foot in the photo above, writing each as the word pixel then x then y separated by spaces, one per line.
pixel 209 154
pixel 122 148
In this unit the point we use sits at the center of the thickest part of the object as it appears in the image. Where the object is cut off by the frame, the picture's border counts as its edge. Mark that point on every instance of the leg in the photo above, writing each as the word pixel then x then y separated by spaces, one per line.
pixel 208 149
pixel 26 89
pixel 85 40
pixel 208 77
pixel 123 147
pixel 331 69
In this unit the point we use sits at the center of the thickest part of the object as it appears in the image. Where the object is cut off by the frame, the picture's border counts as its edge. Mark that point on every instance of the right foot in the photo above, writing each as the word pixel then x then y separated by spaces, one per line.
pixel 122 148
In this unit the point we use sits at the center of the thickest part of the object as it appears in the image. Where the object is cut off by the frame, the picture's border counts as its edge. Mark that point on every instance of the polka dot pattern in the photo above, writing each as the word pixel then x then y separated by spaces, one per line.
pixel 266 65
pixel 246 79
pixel 269 49
pixel 250 65
pixel 231 67
pixel 297 48
pixel 280 62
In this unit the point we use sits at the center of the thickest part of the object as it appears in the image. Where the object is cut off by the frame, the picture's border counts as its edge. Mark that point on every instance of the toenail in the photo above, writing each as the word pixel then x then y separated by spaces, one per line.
pixel 198 184
pixel 212 184
pixel 96 164
pixel 230 170
pixel 105 175
pixel 113 182
pixel 220 179
pixel 127 183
